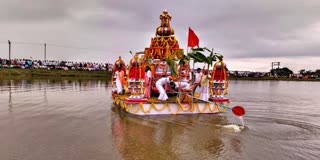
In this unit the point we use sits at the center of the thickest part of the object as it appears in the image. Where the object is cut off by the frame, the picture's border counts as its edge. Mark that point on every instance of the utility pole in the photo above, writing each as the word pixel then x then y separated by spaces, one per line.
pixel 275 64
pixel 9 51
pixel 45 52
pixel 10 99
pixel 9 56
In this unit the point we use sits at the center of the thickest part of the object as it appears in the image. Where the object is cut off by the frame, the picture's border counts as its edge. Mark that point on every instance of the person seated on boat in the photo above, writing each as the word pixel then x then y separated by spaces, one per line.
pixel 185 81
pixel 186 76
pixel 185 87
pixel 184 71
pixel 160 87
pixel 182 85
pixel 191 88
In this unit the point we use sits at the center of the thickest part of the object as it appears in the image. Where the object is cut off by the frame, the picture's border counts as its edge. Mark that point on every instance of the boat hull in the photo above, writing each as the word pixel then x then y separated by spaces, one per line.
pixel 165 108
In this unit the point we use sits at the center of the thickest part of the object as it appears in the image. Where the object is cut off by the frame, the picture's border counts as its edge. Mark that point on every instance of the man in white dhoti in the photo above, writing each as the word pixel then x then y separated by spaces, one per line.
pixel 204 91
pixel 160 87
pixel 197 80
pixel 198 76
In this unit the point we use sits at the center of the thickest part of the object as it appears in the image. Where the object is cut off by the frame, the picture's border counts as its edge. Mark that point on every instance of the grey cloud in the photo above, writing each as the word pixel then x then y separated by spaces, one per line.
pixel 36 10
pixel 235 28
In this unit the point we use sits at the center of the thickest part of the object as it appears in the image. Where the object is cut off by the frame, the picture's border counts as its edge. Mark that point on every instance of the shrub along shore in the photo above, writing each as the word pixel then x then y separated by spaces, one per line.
pixel 15 73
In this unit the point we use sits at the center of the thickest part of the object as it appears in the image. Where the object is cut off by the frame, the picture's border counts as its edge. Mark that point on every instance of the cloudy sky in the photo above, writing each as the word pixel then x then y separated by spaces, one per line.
pixel 249 33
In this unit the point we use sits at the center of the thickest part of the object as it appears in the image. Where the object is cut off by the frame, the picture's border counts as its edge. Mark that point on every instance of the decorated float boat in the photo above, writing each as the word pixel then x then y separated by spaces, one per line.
pixel 136 89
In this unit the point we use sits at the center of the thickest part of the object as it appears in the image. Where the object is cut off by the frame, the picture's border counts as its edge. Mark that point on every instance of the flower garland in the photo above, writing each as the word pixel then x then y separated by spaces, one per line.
pixel 217 106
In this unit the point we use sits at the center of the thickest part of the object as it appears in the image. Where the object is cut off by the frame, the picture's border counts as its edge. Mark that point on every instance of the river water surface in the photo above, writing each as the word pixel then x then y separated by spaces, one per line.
pixel 76 120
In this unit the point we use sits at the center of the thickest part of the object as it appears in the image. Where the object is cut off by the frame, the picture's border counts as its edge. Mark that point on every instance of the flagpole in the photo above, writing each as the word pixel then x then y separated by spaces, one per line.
pixel 188 65
pixel 193 80
pixel 193 41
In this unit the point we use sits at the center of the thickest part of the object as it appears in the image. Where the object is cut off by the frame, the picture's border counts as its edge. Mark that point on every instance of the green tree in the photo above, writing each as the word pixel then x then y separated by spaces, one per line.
pixel 281 72
pixel 302 71
pixel 198 55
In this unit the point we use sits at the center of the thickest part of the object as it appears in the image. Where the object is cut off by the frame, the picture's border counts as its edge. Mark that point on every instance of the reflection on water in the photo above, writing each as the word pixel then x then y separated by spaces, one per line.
pixel 169 137
pixel 69 119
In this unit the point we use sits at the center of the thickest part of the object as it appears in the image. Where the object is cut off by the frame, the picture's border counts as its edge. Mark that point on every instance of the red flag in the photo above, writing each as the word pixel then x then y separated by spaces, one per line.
pixel 193 39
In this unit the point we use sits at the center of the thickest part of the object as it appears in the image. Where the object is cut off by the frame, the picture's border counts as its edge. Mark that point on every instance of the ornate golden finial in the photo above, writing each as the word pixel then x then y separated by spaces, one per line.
pixel 165 29
pixel 165 19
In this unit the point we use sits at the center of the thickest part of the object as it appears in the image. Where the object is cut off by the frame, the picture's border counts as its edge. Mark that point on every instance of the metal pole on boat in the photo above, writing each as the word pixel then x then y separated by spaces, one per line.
pixel 193 80
pixel 180 76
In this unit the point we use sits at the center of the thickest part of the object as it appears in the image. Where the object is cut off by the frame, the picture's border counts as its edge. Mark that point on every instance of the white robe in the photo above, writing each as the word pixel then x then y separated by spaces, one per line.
pixel 182 84
pixel 204 90
pixel 204 94
pixel 197 80
pixel 197 77
pixel 162 92
pixel 118 82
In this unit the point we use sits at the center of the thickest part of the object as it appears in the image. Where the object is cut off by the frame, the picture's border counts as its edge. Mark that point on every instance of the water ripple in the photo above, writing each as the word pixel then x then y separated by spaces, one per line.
pixel 43 119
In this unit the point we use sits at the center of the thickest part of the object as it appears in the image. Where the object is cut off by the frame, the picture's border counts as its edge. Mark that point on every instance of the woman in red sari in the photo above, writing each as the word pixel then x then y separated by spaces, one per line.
pixel 148 77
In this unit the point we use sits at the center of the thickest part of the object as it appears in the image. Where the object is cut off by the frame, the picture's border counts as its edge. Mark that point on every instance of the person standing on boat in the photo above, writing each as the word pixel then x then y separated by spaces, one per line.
pixel 197 80
pixel 198 75
pixel 204 90
pixel 119 76
pixel 160 87
pixel 148 77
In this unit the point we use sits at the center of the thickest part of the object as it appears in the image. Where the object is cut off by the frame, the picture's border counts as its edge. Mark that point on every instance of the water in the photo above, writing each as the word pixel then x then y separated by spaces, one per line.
pixel 76 120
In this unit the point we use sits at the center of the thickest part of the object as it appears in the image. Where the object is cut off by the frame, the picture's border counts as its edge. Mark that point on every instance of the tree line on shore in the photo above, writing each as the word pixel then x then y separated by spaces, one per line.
pixel 278 73
pixel 90 66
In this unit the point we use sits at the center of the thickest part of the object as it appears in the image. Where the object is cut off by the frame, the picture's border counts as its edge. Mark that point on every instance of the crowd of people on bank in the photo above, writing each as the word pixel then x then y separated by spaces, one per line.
pixel 52 64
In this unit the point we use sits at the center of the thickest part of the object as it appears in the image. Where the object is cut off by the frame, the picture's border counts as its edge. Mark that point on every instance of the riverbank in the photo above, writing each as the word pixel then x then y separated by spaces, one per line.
pixel 270 79
pixel 14 73
pixel 101 75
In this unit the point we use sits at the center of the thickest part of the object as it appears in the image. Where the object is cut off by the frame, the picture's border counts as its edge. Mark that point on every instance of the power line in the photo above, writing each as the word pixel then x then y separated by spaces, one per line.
pixel 275 64
pixel 66 46
pixel 82 48
pixel 27 43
